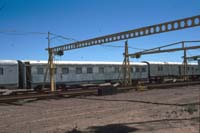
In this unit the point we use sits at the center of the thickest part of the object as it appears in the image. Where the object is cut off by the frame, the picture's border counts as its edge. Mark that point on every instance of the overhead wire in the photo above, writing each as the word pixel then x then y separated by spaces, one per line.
pixel 66 38
pixel 14 32
pixel 122 47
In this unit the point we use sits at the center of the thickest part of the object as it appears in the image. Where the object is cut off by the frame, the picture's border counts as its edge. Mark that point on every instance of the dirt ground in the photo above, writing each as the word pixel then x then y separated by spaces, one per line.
pixel 153 111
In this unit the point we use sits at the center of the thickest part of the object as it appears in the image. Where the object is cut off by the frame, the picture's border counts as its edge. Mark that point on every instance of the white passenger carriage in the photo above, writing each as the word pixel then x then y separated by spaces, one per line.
pixel 139 71
pixel 30 74
pixel 9 74
pixel 78 72
pixel 170 70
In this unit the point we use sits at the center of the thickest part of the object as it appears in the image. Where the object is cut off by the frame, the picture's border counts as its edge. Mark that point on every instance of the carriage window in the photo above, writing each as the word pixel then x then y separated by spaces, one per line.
pixel 65 70
pixel 143 69
pixel 131 69
pixel 78 70
pixel 160 68
pixel 101 69
pixel 1 71
pixel 40 70
pixel 116 69
pixel 137 69
pixel 89 70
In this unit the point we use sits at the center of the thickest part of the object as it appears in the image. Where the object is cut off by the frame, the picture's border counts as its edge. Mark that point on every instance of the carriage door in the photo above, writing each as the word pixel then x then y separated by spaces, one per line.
pixel 28 75
pixel 21 75
pixel 179 70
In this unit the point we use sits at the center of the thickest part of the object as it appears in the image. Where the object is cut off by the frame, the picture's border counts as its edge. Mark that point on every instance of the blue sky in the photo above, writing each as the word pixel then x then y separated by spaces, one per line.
pixel 24 25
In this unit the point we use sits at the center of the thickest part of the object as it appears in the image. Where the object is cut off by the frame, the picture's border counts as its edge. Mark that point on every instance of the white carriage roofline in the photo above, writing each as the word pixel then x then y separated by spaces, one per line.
pixel 89 62
pixel 104 62
pixel 8 61
pixel 172 63
pixel 85 62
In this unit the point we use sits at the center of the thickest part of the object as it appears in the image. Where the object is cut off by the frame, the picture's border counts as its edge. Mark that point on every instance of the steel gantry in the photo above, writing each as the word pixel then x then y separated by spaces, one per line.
pixel 144 31
pixel 165 49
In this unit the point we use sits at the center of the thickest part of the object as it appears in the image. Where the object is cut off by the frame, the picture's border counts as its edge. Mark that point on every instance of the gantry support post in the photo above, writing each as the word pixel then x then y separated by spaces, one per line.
pixel 184 63
pixel 51 64
pixel 48 64
pixel 52 68
pixel 126 68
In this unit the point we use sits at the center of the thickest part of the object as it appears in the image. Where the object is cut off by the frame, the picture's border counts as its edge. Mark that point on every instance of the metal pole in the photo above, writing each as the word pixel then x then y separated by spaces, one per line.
pixel 185 65
pixel 128 65
pixel 52 82
pixel 125 66
pixel 185 62
pixel 126 72
pixel 50 62
pixel 48 40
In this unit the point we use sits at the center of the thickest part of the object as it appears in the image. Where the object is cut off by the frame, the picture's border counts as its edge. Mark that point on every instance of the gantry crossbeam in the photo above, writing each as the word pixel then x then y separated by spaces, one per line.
pixel 194 57
pixel 144 31
pixel 164 49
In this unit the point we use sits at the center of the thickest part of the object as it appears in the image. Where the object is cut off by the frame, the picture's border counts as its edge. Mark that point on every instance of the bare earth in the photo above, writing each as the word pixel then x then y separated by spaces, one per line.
pixel 152 111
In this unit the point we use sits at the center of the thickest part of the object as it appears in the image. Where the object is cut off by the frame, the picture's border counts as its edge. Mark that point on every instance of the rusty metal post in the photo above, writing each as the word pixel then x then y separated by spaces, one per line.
pixel 51 63
pixel 184 63
pixel 50 67
pixel 52 81
pixel 48 64
pixel 126 68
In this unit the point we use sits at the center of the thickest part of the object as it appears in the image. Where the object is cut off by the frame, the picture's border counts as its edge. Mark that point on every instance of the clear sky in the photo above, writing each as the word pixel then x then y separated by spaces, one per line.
pixel 24 25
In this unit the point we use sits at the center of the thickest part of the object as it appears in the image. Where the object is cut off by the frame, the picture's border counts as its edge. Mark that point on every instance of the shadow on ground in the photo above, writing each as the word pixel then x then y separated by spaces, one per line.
pixel 151 125
pixel 74 131
pixel 111 128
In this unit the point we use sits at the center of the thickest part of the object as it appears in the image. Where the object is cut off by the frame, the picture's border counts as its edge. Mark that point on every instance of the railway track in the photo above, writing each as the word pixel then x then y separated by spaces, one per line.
pixel 163 85
pixel 78 92
pixel 43 95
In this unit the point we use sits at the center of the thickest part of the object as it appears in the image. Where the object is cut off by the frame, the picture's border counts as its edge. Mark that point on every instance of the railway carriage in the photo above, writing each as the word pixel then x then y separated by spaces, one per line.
pixel 161 71
pixel 139 71
pixel 9 74
pixel 79 72
pixel 30 74
pixel 72 72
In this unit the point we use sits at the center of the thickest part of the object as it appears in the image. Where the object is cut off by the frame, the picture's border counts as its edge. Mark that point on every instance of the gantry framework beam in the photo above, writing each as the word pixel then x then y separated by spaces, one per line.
pixel 163 49
pixel 144 31
pixel 193 57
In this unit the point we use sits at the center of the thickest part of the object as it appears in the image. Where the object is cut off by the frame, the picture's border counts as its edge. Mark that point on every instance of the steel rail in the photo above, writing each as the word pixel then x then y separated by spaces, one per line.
pixel 44 95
